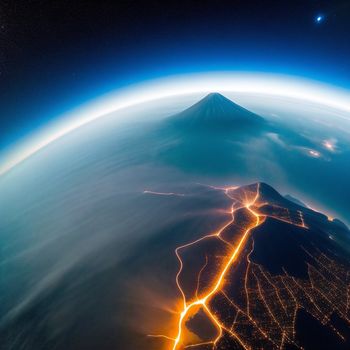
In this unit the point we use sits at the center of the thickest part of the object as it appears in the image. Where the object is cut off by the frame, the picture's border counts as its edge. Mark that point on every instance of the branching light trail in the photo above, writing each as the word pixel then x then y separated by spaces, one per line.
pixel 188 307
pixel 243 302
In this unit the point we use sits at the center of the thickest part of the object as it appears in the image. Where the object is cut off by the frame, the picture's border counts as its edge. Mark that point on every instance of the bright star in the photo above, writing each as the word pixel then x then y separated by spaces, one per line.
pixel 319 18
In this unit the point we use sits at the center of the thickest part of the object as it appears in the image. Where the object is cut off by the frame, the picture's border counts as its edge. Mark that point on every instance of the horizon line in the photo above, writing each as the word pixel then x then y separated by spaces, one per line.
pixel 171 86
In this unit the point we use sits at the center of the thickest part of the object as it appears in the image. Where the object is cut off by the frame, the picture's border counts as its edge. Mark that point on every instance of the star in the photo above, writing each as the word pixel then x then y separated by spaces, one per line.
pixel 319 18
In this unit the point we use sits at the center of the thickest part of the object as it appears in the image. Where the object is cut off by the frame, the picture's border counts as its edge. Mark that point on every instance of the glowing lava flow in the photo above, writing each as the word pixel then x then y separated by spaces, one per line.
pixel 203 301
pixel 246 305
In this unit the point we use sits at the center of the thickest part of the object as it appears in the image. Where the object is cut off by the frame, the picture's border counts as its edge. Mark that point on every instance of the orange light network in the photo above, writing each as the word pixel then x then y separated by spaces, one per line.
pixel 275 325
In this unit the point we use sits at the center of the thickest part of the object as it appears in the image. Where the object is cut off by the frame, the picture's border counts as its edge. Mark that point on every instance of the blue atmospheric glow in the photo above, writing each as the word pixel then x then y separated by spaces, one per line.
pixel 255 83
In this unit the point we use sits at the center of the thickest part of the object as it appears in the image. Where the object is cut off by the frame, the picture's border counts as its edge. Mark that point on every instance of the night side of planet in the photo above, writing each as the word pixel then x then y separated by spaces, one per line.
pixel 174 175
pixel 187 221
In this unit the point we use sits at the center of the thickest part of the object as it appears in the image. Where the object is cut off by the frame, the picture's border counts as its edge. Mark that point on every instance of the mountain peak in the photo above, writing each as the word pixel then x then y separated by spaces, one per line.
pixel 218 112
pixel 214 100
pixel 215 96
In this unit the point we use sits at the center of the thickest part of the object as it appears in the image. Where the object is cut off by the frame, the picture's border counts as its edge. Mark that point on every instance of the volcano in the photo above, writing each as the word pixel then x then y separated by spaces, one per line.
pixel 211 135
pixel 216 112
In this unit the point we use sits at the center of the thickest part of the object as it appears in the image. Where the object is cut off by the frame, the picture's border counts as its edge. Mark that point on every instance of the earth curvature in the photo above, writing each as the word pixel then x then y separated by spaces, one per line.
pixel 204 222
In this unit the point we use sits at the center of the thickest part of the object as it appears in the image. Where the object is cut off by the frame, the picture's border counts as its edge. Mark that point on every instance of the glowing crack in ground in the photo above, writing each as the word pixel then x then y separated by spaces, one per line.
pixel 263 315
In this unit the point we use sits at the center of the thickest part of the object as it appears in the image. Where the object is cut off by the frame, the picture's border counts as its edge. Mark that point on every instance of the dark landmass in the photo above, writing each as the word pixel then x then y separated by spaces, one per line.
pixel 286 288
pixel 266 278
pixel 295 200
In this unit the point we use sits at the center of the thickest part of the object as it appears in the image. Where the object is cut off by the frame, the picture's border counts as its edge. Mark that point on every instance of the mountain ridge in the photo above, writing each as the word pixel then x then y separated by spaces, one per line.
pixel 216 111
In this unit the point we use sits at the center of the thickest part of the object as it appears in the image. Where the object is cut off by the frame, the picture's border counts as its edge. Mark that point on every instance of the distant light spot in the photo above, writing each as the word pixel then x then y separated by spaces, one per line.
pixel 329 145
pixel 314 153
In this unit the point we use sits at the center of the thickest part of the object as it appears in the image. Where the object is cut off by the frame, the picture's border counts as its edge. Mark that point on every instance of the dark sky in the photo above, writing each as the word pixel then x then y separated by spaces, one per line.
pixel 55 55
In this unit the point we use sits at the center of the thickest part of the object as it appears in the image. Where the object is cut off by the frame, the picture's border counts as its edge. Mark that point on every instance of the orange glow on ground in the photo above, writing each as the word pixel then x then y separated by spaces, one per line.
pixel 279 297
pixel 190 307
